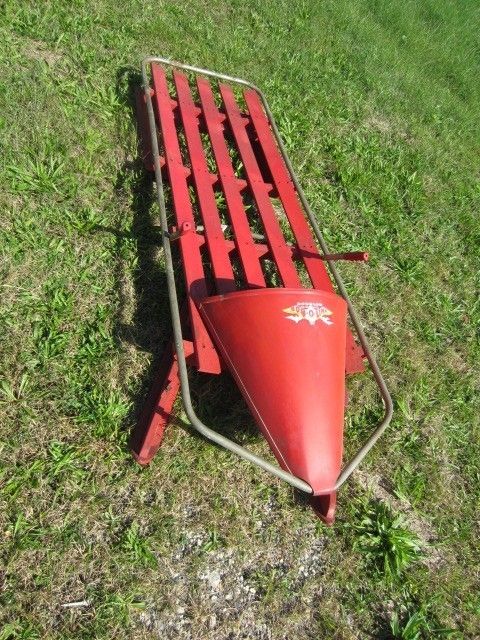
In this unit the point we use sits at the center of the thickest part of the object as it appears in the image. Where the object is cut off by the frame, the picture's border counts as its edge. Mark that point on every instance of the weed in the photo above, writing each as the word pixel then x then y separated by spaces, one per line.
pixel 270 583
pixel 65 460
pixel 214 541
pixel 25 477
pixel 25 533
pixel 37 175
pixel 13 393
pixel 136 546
pixel 384 540
pixel 418 626
pixel 19 631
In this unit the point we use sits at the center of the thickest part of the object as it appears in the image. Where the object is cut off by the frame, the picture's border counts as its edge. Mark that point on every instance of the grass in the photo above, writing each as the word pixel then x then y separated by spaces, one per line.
pixel 378 106
pixel 384 542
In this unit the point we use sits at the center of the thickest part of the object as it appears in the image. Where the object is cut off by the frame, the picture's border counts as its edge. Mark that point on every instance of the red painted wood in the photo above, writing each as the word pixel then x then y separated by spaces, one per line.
pixel 206 354
pixel 307 248
pixel 231 187
pixel 220 260
pixel 157 410
pixel 275 238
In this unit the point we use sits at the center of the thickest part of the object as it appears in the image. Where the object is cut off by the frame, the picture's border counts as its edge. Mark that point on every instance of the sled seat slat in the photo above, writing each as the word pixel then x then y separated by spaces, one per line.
pixel 221 266
pixel 205 353
pixel 244 241
pixel 306 248
pixel 260 191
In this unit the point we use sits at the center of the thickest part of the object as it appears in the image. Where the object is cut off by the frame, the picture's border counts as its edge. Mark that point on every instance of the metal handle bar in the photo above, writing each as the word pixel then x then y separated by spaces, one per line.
pixel 174 308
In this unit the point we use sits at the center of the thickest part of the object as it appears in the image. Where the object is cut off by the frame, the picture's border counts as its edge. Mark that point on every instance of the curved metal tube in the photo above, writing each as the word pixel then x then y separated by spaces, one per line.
pixel 172 292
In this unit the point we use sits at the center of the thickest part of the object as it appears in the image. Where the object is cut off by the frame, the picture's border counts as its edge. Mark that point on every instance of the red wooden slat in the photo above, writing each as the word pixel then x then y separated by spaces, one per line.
pixel 307 249
pixel 231 187
pixel 207 357
pixel 275 238
pixel 296 216
pixel 221 266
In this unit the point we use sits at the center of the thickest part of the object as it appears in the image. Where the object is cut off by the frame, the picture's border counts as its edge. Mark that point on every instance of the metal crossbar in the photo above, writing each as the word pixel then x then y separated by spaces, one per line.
pixel 246 130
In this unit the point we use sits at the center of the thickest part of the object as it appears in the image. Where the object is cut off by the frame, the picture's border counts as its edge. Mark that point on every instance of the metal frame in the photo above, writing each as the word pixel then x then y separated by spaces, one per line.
pixel 175 311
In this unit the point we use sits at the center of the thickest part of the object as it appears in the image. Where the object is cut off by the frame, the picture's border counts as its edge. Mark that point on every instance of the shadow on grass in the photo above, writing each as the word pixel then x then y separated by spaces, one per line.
pixel 216 399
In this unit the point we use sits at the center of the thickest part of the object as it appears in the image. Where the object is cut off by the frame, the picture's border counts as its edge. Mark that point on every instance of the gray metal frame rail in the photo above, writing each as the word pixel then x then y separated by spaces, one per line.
pixel 175 310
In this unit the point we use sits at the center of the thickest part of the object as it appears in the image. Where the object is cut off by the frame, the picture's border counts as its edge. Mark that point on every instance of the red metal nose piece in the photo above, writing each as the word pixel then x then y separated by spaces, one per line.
pixel 286 350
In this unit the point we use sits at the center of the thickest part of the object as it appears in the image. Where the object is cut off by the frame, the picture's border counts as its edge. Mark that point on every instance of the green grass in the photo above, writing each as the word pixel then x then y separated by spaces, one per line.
pixel 378 106
pixel 384 542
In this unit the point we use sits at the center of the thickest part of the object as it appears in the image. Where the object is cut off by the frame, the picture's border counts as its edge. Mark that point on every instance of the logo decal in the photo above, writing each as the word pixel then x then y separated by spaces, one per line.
pixel 309 311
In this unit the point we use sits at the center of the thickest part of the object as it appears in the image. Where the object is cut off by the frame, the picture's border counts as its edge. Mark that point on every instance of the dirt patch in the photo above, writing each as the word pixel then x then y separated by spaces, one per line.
pixel 378 123
pixel 232 590
pixel 37 50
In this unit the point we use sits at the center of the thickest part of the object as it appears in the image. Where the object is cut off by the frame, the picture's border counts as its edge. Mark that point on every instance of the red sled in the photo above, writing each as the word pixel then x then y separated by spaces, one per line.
pixel 263 297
